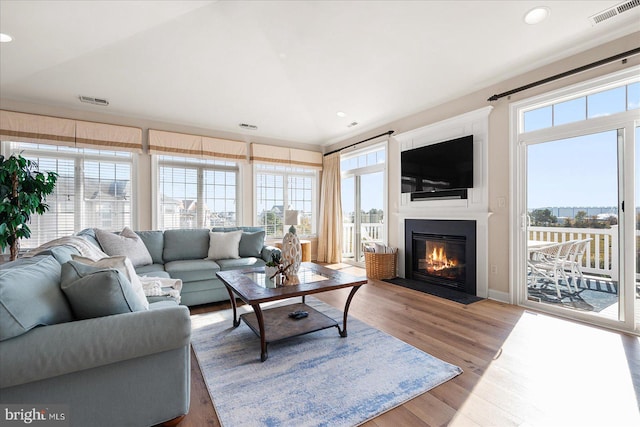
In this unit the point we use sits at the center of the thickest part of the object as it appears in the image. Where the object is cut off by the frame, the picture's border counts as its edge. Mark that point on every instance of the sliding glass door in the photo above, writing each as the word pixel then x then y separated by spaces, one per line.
pixel 576 221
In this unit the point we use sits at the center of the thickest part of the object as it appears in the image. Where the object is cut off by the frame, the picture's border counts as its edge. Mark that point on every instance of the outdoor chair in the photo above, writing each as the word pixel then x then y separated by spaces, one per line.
pixel 573 262
pixel 548 263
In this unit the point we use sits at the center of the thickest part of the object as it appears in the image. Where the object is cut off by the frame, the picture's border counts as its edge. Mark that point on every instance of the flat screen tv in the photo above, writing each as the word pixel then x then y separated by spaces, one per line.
pixel 442 166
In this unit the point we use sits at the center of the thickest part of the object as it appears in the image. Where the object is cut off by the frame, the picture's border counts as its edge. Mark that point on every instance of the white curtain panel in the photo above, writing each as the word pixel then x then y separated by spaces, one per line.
pixel 330 224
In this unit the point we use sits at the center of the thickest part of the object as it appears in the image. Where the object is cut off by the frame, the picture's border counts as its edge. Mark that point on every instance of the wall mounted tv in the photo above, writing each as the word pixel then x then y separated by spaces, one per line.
pixel 441 168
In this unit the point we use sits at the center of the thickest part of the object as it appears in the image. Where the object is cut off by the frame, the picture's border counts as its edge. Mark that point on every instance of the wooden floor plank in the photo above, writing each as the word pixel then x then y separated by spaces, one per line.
pixel 501 349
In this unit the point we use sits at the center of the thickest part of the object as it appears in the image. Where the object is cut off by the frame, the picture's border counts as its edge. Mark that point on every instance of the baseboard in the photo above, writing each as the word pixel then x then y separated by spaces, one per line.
pixel 499 296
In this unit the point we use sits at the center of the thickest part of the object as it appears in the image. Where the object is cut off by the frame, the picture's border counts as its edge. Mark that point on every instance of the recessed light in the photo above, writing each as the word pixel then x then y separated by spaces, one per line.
pixel 341 114
pixel 5 38
pixel 537 15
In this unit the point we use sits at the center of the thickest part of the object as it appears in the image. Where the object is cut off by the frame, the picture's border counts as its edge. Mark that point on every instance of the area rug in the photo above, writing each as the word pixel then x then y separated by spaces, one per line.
pixel 318 379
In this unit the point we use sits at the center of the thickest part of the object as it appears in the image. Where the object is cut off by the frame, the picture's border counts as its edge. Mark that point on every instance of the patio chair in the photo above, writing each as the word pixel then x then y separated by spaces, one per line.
pixel 573 262
pixel 548 263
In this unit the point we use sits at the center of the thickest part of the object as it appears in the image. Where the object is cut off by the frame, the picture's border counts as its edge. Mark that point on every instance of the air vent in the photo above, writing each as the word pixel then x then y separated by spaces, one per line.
pixel 94 101
pixel 248 126
pixel 614 11
pixel 352 124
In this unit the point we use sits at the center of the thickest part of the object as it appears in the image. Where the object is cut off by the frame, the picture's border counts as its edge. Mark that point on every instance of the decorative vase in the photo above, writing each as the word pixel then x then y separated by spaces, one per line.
pixel 291 252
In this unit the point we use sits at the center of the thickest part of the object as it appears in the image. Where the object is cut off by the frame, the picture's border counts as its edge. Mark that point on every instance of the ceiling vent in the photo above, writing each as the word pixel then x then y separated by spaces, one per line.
pixel 352 124
pixel 248 126
pixel 94 101
pixel 613 11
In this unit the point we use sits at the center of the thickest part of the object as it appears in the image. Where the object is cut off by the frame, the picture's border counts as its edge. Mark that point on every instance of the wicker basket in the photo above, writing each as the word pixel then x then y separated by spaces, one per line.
pixel 380 266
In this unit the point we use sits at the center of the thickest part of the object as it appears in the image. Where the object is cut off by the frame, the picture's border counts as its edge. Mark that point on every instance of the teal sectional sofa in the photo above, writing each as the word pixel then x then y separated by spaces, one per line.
pixel 181 254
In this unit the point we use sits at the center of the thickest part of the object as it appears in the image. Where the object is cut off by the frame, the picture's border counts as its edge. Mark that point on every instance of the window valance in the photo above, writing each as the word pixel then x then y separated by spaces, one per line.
pixel 40 129
pixel 181 144
pixel 37 129
pixel 286 156
pixel 101 135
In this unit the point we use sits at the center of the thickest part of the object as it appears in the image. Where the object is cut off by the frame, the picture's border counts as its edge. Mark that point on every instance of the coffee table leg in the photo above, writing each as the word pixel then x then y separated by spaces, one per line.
pixel 343 331
pixel 236 321
pixel 263 340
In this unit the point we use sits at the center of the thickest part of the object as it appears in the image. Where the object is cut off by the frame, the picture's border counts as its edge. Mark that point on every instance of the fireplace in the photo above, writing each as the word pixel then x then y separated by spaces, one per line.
pixel 441 252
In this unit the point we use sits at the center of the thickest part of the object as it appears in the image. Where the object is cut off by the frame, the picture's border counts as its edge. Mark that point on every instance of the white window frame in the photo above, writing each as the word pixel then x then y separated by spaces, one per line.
pixel 200 165
pixel 79 156
pixel 285 172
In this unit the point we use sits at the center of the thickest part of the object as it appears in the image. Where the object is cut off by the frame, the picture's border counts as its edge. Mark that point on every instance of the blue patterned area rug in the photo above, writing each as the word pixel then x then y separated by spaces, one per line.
pixel 318 379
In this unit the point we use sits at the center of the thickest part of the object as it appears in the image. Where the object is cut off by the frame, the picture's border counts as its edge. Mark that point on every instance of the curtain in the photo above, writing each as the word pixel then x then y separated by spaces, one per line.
pixel 330 224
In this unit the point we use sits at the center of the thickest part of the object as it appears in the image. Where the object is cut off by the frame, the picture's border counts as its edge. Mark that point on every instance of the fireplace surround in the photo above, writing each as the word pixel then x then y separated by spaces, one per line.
pixel 441 252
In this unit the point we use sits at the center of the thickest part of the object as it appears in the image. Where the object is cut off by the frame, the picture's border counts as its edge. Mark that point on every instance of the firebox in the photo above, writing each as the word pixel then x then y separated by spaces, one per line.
pixel 442 252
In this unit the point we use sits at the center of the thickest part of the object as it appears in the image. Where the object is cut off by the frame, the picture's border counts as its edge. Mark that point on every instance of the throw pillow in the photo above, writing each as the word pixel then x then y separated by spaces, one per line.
pixel 122 264
pixel 251 244
pixel 98 291
pixel 224 245
pixel 127 243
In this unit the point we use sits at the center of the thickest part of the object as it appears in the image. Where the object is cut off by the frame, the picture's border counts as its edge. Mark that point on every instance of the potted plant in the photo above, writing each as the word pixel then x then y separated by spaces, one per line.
pixel 273 266
pixel 23 190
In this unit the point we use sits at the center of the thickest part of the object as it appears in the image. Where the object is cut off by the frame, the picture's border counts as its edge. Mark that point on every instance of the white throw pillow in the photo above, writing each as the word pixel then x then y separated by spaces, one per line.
pixel 127 243
pixel 224 245
pixel 122 264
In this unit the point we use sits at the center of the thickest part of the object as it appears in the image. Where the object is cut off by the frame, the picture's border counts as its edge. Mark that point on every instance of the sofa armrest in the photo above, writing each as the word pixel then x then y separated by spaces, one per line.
pixel 266 252
pixel 49 351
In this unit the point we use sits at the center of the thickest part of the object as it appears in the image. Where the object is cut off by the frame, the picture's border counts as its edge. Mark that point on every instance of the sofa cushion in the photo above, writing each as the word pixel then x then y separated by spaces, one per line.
pixel 251 243
pixel 123 264
pixel 89 234
pixel 99 291
pixel 152 270
pixel 224 245
pixel 185 244
pixel 127 243
pixel 247 262
pixel 192 270
pixel 154 241
pixel 30 295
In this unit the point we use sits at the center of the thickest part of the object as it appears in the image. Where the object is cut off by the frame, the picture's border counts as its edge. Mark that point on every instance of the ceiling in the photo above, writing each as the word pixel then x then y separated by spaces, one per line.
pixel 286 67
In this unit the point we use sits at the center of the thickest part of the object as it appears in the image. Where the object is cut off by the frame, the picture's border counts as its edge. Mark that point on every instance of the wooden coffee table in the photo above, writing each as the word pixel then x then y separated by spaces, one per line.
pixel 274 324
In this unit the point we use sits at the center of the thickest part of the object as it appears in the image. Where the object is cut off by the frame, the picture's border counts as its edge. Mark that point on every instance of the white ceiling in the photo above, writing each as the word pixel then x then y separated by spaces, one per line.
pixel 284 66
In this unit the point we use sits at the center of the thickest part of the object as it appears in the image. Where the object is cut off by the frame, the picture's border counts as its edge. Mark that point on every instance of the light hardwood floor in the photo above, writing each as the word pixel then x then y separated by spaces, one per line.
pixel 520 367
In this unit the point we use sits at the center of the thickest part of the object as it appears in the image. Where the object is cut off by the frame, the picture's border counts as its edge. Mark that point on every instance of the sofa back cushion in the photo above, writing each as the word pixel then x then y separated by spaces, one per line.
pixel 185 244
pixel 127 243
pixel 30 295
pixel 154 241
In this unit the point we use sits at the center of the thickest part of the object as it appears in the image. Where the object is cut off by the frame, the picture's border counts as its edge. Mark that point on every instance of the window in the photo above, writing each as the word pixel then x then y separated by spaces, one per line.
pixel 94 189
pixel 588 106
pixel 195 193
pixel 280 188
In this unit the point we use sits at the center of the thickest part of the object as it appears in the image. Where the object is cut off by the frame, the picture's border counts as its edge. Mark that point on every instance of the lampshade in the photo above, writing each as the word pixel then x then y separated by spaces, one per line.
pixel 292 217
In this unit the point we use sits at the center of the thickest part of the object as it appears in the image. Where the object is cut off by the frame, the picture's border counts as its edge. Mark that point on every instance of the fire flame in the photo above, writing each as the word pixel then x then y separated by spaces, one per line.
pixel 437 260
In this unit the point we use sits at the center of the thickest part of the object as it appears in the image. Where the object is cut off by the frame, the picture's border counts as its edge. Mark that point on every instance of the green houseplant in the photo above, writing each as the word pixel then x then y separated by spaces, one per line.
pixel 23 190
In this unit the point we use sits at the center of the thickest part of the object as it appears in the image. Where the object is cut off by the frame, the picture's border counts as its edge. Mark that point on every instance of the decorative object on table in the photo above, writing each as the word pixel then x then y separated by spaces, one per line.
pixel 23 190
pixel 291 247
pixel 272 268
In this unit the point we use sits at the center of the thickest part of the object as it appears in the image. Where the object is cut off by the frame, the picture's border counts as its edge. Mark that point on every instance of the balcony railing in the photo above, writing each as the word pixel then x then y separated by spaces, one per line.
pixel 369 233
